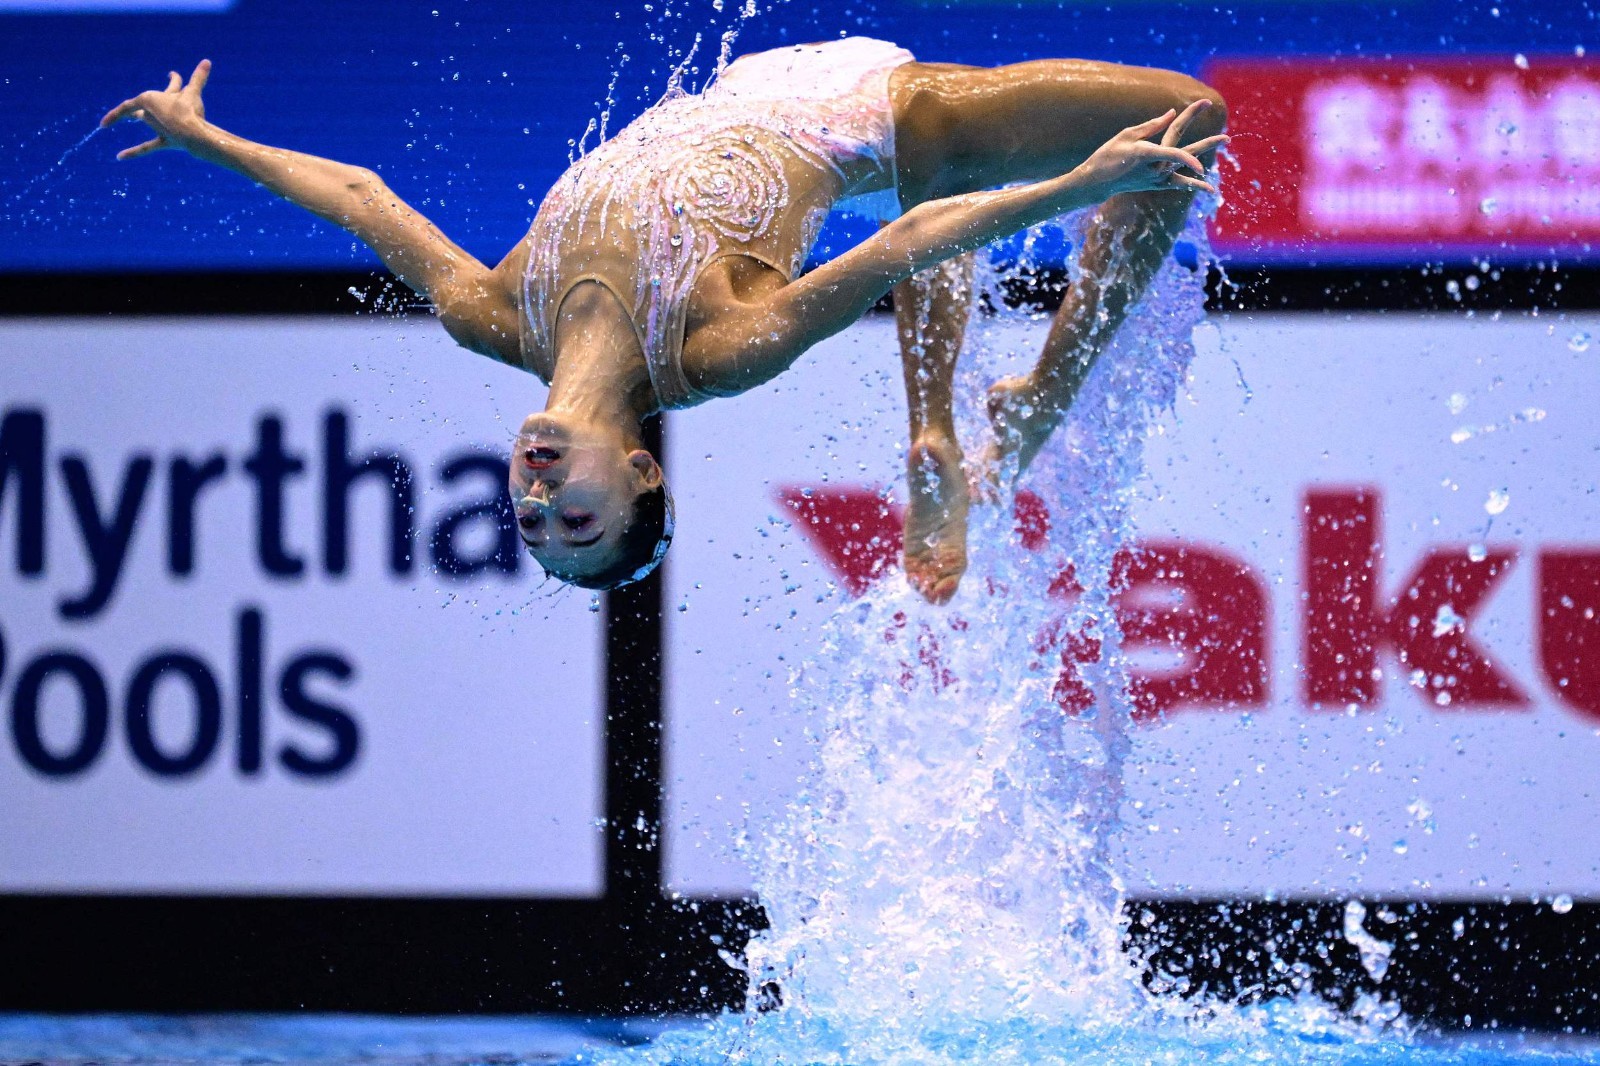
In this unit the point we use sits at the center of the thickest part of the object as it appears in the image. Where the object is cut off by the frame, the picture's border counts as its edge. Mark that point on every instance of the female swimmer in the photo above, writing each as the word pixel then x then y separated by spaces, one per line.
pixel 663 269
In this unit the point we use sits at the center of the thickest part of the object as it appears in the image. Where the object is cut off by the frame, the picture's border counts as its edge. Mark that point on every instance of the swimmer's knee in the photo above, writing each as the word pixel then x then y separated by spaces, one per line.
pixel 926 125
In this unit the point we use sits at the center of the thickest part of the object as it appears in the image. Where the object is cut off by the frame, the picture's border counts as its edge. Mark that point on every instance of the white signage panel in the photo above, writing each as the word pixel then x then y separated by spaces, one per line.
pixel 1362 616
pixel 265 626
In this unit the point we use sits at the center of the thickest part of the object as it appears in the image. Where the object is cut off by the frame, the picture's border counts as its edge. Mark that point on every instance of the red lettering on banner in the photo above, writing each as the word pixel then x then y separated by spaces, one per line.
pixel 1208 607
pixel 1426 626
pixel 1201 604
pixel 857 532
pixel 1569 623
pixel 1212 612
pixel 1172 597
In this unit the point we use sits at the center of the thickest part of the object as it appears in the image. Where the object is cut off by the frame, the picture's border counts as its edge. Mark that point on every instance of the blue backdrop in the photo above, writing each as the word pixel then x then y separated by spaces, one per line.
pixel 469 108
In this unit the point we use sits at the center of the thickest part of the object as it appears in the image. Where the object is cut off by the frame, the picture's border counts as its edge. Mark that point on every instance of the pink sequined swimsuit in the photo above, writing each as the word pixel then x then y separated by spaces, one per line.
pixel 749 167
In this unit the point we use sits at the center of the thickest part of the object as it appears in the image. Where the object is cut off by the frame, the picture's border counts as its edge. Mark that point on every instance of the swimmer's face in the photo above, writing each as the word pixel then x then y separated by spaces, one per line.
pixel 573 490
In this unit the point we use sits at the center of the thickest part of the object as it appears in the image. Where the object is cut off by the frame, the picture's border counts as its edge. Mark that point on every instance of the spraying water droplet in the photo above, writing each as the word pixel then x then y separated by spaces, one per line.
pixel 1374 953
pixel 1498 501
pixel 1562 904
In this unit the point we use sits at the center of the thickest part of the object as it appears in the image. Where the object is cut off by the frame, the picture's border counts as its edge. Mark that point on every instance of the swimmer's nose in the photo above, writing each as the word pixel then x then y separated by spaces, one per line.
pixel 537 496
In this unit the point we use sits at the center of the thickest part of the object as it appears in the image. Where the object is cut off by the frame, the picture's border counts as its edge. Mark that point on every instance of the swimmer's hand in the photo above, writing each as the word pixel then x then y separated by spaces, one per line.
pixel 1131 162
pixel 176 114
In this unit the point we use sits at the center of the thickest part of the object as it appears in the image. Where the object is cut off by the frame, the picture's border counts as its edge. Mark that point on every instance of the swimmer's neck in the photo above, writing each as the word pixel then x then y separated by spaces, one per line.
pixel 600 373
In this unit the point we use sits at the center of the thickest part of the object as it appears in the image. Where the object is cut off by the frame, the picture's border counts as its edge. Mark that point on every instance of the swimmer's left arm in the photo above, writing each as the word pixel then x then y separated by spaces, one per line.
pixel 475 304
pixel 748 349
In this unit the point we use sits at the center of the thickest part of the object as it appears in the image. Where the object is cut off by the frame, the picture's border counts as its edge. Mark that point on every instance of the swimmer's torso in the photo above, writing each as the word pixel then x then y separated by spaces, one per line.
pixel 749 168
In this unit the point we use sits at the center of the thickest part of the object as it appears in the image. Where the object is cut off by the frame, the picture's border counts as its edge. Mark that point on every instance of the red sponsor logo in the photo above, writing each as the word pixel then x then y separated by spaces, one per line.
pixel 1196 619
pixel 1472 154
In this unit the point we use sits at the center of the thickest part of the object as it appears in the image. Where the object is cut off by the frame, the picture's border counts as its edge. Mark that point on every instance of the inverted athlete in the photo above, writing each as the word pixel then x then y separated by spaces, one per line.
pixel 664 268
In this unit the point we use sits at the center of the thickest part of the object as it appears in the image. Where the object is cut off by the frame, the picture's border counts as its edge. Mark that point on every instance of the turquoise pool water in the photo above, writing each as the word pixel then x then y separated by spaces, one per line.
pixel 344 1040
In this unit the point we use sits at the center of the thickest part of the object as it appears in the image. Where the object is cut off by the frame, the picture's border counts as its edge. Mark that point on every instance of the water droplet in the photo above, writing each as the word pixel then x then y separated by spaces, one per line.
pixel 1498 501
pixel 1521 61
pixel 1477 552
pixel 1486 206
pixel 1374 953
pixel 1561 904
pixel 1457 403
pixel 1445 620
pixel 1579 341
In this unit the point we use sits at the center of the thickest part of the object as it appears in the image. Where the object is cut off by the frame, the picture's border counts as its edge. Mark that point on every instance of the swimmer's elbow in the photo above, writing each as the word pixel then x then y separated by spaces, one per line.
pixel 364 184
pixel 477 320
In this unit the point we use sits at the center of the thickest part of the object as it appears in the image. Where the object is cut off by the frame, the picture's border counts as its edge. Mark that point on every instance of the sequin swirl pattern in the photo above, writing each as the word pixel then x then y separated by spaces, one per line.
pixel 692 180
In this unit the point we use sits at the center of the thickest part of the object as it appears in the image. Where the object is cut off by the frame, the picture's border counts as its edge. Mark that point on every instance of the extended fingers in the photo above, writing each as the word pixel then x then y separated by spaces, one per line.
pixel 1177 157
pixel 202 74
pixel 123 110
pixel 1200 147
pixel 1151 127
pixel 153 145
pixel 1174 135
pixel 1193 183
pixel 174 81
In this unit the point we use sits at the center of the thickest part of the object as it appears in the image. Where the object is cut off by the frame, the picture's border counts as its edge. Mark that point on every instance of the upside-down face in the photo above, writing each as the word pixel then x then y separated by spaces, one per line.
pixel 575 489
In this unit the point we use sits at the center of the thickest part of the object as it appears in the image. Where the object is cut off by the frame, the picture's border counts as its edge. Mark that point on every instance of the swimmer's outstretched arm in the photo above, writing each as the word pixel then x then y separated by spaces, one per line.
pixel 742 350
pixel 474 303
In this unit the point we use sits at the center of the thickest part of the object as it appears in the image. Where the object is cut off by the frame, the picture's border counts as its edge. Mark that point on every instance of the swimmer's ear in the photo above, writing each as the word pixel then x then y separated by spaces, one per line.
pixel 648 469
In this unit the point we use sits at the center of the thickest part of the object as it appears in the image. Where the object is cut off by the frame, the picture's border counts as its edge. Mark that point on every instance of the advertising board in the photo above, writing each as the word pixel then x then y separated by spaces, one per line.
pixel 1361 608
pixel 266 626
pixel 1411 158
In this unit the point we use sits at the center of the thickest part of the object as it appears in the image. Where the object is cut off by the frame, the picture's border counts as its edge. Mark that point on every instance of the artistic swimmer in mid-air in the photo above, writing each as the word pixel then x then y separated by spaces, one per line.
pixel 663 269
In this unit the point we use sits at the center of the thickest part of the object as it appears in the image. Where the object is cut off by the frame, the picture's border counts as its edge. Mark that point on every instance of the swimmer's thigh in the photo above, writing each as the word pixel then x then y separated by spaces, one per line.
pixel 959 129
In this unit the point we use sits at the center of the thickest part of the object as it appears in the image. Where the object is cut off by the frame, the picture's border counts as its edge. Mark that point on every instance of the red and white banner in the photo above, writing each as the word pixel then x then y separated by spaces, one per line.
pixel 1361 609
pixel 1379 158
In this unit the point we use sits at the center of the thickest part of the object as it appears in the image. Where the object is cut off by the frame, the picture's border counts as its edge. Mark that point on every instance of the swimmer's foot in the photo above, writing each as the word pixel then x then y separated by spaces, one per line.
pixel 1022 420
pixel 936 518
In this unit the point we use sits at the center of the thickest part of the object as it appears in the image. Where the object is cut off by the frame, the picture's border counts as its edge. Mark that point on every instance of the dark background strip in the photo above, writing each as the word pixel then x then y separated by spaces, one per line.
pixel 1453 288
pixel 1503 965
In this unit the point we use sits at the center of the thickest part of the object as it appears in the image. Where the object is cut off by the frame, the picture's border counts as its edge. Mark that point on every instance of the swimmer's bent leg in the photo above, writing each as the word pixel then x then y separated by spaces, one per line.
pixel 931 311
pixel 961 128
pixel 1126 242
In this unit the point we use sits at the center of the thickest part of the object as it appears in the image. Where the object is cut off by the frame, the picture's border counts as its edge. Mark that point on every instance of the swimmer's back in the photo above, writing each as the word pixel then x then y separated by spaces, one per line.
pixel 748 168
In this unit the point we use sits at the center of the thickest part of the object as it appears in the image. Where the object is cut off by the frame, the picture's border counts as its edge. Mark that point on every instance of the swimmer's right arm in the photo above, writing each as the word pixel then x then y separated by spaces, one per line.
pixel 475 304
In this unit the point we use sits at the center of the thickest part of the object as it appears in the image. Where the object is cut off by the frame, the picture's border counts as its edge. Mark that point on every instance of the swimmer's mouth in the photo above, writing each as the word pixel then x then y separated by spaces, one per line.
pixel 540 458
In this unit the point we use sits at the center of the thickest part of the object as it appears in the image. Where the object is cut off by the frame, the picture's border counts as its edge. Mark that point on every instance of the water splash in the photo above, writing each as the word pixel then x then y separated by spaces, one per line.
pixel 1374 953
pixel 22 195
pixel 940 890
